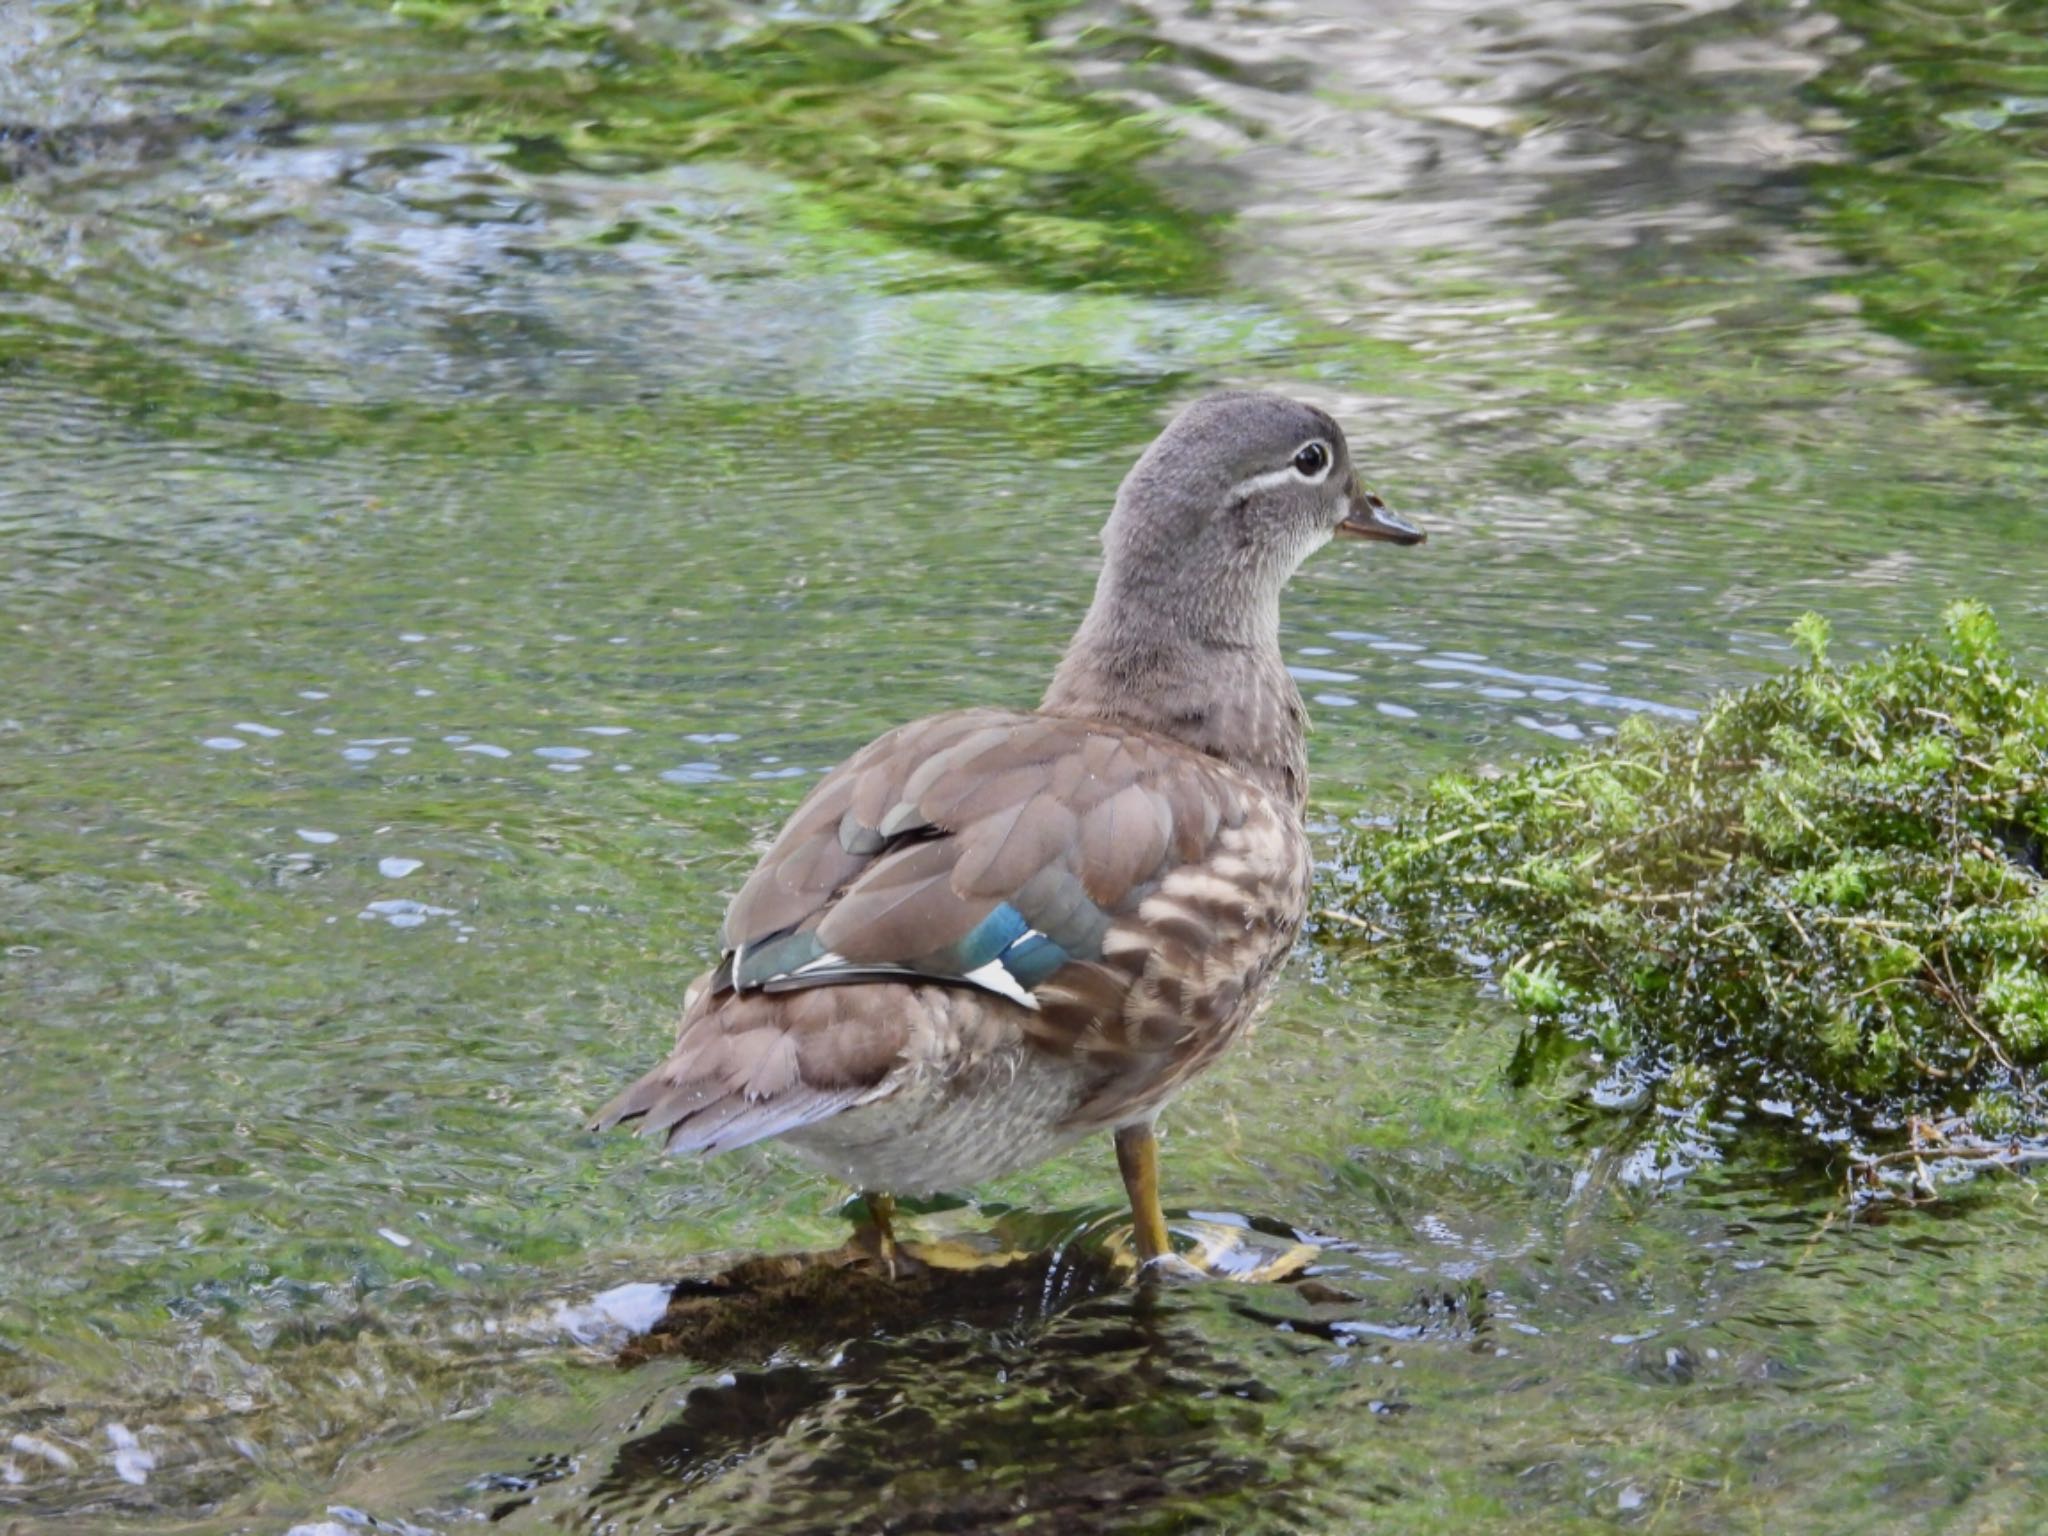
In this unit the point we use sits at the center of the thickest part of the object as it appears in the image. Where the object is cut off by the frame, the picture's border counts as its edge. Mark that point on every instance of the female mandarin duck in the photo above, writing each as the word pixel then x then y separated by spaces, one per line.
pixel 992 932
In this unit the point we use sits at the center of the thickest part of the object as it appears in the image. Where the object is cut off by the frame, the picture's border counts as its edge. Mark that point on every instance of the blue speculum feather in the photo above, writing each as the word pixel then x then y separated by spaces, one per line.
pixel 1031 960
pixel 984 942
pixel 1005 936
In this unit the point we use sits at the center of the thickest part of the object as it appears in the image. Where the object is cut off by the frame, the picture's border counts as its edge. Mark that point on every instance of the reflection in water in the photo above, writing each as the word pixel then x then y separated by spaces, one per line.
pixel 1122 1403
pixel 1038 1391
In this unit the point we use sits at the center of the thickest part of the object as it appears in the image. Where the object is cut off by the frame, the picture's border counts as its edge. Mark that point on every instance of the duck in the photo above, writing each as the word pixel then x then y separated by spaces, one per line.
pixel 994 932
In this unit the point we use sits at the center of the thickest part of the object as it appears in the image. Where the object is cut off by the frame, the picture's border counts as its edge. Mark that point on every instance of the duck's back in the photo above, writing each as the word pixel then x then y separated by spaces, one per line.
pixel 1058 893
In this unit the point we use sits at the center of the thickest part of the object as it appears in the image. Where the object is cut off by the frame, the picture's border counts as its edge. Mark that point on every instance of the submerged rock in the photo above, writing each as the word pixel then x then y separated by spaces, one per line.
pixel 1019 1273
pixel 764 1305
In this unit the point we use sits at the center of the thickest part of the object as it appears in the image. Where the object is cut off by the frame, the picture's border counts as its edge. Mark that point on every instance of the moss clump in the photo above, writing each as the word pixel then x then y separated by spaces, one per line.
pixel 1821 906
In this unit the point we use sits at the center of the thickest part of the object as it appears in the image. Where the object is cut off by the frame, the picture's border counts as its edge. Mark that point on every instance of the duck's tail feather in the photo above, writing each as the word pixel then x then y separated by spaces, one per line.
pixel 706 1116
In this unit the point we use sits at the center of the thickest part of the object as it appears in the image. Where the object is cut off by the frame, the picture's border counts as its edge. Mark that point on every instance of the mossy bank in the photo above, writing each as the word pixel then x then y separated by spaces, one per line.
pixel 1819 909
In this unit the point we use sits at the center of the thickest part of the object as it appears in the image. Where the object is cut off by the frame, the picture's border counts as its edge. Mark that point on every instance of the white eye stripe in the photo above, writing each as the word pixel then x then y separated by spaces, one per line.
pixel 1287 476
pixel 1262 482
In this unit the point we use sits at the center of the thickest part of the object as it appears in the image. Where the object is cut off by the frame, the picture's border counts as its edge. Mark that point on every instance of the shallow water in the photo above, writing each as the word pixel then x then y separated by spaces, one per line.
pixel 468 467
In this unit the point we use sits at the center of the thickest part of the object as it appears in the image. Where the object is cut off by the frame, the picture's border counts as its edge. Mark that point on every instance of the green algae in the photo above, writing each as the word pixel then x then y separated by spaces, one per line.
pixel 1820 907
pixel 953 128
pixel 1941 203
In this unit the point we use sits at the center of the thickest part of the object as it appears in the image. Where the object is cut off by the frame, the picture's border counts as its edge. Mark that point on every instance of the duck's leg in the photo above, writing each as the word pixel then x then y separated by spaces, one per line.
pixel 877 1234
pixel 1137 1158
pixel 1219 1252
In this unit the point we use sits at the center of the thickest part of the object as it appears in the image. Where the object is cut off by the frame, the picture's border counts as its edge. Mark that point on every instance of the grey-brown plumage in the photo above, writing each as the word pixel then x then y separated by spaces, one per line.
pixel 993 931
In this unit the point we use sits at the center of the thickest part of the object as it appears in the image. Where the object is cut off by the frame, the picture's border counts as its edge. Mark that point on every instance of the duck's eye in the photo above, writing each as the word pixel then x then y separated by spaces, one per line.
pixel 1310 460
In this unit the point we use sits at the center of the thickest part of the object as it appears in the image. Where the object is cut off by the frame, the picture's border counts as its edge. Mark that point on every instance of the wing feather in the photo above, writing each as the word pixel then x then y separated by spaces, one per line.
pixel 1111 895
pixel 900 853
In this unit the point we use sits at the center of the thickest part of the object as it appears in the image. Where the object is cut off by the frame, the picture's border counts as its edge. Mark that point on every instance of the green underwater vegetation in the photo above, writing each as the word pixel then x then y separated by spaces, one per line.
pixel 1820 909
pixel 1943 201
pixel 955 128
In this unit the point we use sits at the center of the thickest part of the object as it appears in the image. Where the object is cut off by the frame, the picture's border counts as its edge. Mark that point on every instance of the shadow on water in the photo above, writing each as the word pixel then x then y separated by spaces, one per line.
pixel 1119 1404
pixel 1039 1390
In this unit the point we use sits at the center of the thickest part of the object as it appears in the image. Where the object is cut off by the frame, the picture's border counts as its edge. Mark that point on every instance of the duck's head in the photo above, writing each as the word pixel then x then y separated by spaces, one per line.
pixel 1232 497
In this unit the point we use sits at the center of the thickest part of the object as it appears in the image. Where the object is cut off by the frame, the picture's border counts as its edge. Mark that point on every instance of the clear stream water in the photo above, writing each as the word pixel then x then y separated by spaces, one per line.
pixel 466 467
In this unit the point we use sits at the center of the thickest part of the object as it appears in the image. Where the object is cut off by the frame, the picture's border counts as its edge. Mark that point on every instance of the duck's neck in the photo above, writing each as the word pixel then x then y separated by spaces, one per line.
pixel 1202 668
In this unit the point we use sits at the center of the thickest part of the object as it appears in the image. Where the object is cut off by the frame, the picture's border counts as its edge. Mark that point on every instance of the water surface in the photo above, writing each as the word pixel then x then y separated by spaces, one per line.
pixel 470 466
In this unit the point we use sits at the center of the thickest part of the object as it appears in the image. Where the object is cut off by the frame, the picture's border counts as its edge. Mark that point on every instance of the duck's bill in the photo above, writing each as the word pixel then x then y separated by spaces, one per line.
pixel 1368 518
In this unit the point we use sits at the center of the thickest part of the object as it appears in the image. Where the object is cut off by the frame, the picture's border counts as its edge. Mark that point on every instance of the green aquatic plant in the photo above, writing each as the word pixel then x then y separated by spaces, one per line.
pixel 1942 202
pixel 1821 906
pixel 954 128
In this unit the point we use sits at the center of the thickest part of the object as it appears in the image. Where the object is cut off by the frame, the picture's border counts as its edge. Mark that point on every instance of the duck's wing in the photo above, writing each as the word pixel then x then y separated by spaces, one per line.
pixel 1109 893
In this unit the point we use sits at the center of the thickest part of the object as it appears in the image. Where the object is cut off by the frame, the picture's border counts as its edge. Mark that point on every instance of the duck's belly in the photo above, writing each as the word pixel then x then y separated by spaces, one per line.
pixel 947 1131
